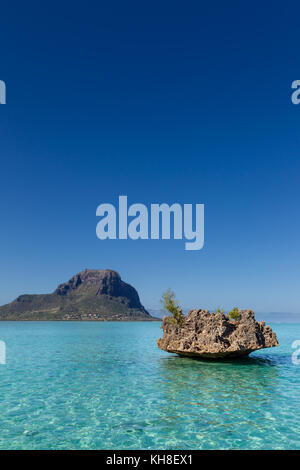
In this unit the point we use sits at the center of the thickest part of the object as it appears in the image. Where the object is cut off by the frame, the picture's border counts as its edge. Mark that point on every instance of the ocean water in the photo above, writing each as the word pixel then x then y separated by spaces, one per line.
pixel 108 386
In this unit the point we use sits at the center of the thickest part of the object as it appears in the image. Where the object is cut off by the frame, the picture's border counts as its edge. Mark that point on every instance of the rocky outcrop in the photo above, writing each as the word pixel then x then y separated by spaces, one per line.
pixel 215 336
pixel 98 295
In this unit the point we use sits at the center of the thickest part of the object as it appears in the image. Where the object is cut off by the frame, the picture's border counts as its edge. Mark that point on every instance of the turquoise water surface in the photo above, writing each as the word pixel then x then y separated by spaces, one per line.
pixel 107 386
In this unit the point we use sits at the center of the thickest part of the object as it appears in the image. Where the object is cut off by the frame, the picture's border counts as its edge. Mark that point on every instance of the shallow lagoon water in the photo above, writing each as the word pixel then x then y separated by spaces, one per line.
pixel 105 385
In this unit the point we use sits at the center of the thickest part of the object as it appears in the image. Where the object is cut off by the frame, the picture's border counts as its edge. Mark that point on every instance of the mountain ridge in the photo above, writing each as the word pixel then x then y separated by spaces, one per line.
pixel 96 295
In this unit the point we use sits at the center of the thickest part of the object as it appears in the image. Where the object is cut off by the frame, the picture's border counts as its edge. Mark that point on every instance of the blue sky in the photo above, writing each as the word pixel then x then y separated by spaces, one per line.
pixel 164 102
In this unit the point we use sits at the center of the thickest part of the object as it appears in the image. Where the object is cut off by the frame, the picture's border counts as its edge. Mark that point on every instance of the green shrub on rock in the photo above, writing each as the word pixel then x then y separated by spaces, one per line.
pixel 234 313
pixel 171 306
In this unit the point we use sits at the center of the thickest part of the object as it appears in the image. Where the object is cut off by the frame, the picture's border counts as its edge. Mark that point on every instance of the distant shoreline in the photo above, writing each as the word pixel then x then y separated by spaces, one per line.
pixel 85 321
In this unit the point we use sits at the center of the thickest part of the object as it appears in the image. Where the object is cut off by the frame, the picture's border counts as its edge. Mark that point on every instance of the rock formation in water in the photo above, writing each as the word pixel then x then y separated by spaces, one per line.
pixel 90 295
pixel 208 335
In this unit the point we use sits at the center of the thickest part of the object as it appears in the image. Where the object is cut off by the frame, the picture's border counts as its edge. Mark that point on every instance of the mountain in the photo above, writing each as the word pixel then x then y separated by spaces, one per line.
pixel 89 295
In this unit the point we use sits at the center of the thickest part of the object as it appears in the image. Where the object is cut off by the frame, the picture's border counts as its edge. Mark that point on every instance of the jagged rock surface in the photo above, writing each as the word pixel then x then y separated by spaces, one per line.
pixel 89 295
pixel 209 335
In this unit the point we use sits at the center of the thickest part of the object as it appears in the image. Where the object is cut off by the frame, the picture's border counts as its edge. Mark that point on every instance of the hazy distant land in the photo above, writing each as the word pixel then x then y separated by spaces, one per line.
pixel 272 317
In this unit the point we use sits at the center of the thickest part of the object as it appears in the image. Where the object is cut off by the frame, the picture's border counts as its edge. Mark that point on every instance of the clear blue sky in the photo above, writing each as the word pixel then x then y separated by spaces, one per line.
pixel 183 102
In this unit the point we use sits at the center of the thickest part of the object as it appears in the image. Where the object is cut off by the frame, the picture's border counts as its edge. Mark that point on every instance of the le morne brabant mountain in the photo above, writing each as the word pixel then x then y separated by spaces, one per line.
pixel 98 295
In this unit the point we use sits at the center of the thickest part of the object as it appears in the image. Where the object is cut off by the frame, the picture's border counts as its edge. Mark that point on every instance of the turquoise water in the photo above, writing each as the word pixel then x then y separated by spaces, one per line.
pixel 107 386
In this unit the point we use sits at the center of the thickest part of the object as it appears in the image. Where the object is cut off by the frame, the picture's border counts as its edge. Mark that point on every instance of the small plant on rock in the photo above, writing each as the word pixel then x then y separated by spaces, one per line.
pixel 234 313
pixel 171 306
pixel 219 310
